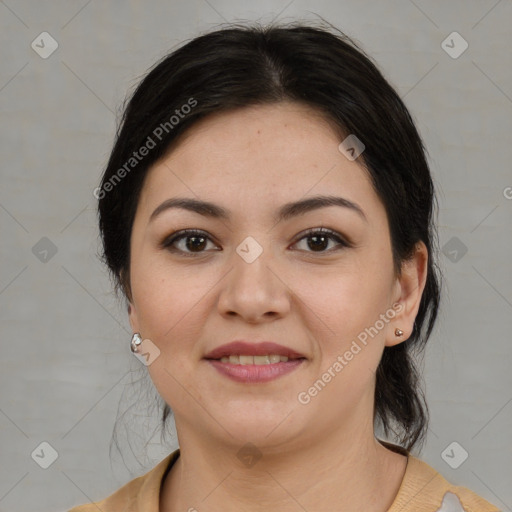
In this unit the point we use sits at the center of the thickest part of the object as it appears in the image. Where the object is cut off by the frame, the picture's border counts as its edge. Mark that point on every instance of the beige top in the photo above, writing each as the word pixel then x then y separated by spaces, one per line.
pixel 423 489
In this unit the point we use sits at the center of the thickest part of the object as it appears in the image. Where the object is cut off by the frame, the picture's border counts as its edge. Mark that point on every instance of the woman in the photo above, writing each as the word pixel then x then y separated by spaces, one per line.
pixel 267 211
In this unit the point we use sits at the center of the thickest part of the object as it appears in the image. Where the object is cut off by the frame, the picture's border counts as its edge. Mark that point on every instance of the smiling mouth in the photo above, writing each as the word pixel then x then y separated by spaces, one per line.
pixel 248 362
pixel 254 360
pixel 249 369
pixel 247 353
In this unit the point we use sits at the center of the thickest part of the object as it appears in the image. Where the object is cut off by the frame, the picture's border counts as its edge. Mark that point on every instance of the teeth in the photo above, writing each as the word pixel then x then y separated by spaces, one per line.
pixel 266 359
pixel 260 359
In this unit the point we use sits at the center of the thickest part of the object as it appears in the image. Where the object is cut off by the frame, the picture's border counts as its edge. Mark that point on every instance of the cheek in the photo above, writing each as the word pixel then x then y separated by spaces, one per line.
pixel 168 302
pixel 171 309
pixel 341 312
pixel 343 309
pixel 346 299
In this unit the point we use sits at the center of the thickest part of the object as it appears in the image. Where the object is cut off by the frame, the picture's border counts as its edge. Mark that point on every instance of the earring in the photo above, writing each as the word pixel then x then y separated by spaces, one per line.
pixel 136 342
pixel 399 332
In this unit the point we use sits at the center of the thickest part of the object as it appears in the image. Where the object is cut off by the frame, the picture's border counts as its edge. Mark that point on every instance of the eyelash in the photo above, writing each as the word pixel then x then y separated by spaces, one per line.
pixel 180 235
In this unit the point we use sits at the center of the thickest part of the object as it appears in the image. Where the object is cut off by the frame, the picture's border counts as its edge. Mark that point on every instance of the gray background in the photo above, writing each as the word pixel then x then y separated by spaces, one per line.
pixel 65 354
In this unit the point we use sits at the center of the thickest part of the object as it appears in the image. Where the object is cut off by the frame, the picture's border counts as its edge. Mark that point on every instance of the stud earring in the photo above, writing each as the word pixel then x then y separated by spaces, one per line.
pixel 136 342
pixel 399 332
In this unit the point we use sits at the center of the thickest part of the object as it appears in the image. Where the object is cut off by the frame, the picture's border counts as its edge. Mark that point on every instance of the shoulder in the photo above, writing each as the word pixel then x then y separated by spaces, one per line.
pixel 424 489
pixel 121 500
pixel 142 494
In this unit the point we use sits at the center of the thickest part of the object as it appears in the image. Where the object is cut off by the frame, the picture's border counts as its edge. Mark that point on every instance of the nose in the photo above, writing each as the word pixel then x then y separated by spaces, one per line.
pixel 254 291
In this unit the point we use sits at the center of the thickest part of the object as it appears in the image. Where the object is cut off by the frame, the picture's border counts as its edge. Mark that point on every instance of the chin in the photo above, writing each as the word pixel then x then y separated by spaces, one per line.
pixel 261 422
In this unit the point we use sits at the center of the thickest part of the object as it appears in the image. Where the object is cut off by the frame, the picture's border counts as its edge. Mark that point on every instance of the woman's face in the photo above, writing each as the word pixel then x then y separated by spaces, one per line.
pixel 256 276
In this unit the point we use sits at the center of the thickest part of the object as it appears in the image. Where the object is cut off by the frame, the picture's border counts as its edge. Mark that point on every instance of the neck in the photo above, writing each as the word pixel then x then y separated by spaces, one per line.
pixel 343 471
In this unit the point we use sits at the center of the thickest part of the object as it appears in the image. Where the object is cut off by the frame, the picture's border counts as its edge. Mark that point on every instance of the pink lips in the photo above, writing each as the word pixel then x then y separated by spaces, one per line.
pixel 253 372
pixel 252 349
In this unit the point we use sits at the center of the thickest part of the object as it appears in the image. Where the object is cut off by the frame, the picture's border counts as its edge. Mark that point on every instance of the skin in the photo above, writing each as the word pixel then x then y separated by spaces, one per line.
pixel 322 455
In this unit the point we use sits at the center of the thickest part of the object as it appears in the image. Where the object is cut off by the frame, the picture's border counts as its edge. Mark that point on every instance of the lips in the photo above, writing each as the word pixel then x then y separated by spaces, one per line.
pixel 246 348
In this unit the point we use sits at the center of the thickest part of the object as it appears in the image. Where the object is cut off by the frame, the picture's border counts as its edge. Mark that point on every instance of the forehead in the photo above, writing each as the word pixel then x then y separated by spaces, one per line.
pixel 258 157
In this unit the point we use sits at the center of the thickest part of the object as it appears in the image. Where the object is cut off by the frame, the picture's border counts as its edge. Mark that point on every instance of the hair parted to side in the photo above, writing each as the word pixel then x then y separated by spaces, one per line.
pixel 250 64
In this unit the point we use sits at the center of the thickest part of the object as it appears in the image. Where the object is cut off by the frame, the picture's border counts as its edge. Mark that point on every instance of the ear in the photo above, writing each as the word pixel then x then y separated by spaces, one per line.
pixel 410 286
pixel 132 316
pixel 127 291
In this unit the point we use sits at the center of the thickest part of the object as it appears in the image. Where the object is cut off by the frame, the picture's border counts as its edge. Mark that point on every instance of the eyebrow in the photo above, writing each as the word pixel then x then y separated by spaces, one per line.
pixel 287 211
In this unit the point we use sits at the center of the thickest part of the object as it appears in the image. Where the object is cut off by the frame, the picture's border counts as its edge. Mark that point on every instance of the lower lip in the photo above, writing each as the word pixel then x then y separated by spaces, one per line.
pixel 254 372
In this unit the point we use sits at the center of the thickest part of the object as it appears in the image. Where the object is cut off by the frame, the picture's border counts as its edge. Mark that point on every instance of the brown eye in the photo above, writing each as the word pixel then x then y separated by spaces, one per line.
pixel 187 242
pixel 195 242
pixel 318 240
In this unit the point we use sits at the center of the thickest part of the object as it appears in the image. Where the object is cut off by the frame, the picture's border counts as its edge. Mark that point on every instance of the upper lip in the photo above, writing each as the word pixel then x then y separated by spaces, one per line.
pixel 246 348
